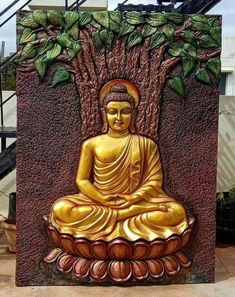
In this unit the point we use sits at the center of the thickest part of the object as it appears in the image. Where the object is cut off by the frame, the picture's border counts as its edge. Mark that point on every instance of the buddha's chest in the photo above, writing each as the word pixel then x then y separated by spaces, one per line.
pixel 109 151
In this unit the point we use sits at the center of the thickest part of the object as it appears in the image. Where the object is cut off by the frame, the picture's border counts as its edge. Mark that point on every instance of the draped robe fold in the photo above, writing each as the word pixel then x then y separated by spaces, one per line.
pixel 137 172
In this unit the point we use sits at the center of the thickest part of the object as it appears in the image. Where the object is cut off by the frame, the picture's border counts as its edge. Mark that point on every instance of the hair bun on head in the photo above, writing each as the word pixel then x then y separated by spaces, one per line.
pixel 118 93
pixel 118 89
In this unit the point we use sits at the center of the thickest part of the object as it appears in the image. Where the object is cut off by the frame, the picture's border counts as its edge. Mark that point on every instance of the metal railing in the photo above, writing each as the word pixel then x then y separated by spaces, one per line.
pixel 186 6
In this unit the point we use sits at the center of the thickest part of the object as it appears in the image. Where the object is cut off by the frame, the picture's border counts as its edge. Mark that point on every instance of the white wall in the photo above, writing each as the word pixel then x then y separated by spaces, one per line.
pixel 226 141
pixel 226 144
pixel 228 63
pixel 60 4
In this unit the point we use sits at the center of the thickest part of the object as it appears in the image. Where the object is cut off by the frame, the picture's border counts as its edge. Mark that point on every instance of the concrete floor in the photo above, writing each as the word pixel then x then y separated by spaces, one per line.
pixel 223 287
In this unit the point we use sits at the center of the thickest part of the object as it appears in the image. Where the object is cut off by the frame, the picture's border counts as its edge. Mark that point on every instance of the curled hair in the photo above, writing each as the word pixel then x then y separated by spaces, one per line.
pixel 118 93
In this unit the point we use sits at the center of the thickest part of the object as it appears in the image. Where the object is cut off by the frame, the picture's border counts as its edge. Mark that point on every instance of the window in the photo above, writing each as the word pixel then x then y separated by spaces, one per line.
pixel 223 79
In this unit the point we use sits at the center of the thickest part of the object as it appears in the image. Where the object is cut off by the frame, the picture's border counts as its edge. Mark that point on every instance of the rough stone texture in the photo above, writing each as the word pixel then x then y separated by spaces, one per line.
pixel 53 122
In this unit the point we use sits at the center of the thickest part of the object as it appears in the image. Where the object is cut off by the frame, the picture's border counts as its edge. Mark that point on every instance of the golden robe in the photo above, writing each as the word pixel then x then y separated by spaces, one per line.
pixel 137 172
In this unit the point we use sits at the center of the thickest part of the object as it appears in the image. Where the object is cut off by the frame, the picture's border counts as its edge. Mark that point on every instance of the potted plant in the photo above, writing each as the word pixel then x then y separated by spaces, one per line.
pixel 9 224
pixel 225 216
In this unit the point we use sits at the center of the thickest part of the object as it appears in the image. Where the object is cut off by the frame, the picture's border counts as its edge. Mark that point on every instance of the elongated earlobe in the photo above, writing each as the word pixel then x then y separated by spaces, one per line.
pixel 132 126
pixel 105 124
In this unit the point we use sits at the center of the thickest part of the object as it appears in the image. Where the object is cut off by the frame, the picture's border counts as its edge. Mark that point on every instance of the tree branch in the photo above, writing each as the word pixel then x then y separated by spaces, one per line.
pixel 64 59
pixel 205 57
pixel 180 30
pixel 30 65
pixel 27 67
pixel 48 30
pixel 168 65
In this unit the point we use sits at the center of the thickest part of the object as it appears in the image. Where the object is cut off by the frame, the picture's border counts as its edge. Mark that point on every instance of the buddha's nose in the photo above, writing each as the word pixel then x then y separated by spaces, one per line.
pixel 118 115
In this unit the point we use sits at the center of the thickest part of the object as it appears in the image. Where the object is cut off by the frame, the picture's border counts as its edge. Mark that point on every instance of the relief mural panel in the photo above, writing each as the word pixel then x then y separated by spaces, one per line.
pixel 117 146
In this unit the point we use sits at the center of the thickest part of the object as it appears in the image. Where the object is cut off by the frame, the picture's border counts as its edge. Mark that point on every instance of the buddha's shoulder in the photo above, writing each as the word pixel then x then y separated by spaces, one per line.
pixel 93 141
pixel 147 140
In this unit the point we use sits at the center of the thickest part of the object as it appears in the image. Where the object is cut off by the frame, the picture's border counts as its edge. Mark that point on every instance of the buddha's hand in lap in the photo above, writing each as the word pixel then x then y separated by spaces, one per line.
pixel 113 200
pixel 121 201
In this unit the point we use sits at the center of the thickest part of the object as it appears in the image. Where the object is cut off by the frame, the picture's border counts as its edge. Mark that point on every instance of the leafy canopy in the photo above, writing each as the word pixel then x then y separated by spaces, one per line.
pixel 46 35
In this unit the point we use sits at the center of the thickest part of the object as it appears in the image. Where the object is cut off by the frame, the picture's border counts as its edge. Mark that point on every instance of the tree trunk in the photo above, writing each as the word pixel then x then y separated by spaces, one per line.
pixel 142 67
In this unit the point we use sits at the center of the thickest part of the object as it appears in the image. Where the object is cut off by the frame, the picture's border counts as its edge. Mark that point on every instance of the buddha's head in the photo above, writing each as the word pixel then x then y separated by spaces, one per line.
pixel 118 110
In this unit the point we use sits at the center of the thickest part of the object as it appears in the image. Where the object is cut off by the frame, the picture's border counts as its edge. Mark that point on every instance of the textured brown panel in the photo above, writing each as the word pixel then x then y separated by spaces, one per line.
pixel 48 153
pixel 49 138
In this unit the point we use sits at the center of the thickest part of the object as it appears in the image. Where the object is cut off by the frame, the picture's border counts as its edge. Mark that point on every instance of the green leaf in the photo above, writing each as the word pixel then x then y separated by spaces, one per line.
pixel 28 52
pixel 85 18
pixel 96 25
pixel 214 65
pixel 135 18
pixel 169 31
pixel 156 40
pixel 97 41
pixel 41 67
pixel 102 17
pixel 126 28
pixel 134 39
pixel 74 31
pixel 190 50
pixel 175 50
pixel 211 21
pixel 174 17
pixel 64 40
pixel 27 36
pixel 45 45
pixel 148 30
pixel 203 76
pixel 55 18
pixel 114 26
pixel 61 75
pixel 107 38
pixel 188 65
pixel 156 19
pixel 216 35
pixel 54 52
pixel 177 84
pixel 199 26
pixel 70 17
pixel 220 196
pixel 72 52
pixel 207 41
pixel 189 37
pixel 40 17
pixel 200 18
pixel 116 16
pixel 29 22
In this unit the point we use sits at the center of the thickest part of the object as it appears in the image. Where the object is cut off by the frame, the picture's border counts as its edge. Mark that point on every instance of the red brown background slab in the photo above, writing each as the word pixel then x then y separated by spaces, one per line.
pixel 48 147
pixel 49 139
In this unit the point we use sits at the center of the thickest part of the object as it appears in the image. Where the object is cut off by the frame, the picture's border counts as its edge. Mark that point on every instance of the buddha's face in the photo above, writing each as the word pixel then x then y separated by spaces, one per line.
pixel 119 115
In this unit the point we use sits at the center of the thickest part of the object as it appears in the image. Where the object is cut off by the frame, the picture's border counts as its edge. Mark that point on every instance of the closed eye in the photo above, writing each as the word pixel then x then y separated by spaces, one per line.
pixel 112 111
pixel 126 111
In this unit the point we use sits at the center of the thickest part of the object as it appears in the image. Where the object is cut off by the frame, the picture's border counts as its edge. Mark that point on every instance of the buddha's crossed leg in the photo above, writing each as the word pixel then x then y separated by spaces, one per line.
pixel 162 214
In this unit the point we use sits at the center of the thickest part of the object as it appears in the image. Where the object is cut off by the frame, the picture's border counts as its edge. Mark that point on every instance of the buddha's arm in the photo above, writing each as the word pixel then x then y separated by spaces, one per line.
pixel 84 173
pixel 152 179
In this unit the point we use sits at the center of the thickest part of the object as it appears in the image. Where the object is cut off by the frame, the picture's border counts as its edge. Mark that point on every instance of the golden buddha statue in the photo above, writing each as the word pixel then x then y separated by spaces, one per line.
pixel 120 180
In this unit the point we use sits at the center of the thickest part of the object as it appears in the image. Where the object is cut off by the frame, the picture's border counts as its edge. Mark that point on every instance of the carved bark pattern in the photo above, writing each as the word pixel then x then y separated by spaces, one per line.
pixel 139 65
